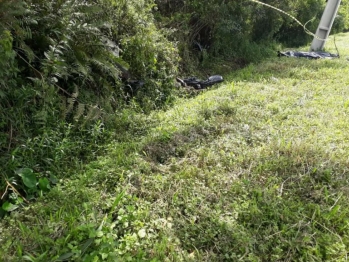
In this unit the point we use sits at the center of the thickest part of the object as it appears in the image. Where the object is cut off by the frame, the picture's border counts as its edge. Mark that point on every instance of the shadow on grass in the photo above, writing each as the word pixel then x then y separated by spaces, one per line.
pixel 207 124
pixel 286 209
pixel 290 205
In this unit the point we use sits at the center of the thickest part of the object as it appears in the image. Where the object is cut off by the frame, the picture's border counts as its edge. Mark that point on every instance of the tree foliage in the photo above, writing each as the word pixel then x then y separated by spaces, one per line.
pixel 242 29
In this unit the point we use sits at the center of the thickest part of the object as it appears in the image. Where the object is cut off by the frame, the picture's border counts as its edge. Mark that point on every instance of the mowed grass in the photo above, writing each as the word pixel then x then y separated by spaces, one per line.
pixel 256 169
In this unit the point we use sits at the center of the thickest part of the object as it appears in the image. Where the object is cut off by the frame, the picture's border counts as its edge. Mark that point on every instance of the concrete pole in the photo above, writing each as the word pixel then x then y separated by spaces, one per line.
pixel 325 25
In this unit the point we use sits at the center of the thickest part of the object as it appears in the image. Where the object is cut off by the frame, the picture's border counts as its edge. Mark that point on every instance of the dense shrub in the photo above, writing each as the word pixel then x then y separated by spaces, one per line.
pixel 242 29
pixel 145 50
pixel 64 68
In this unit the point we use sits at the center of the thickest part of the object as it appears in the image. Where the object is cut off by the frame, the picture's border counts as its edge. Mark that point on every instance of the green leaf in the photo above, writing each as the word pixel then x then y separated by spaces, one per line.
pixel 7 206
pixel 65 256
pixel 24 170
pixel 19 200
pixel 29 258
pixel 53 179
pixel 117 201
pixel 99 233
pixel 44 184
pixel 86 245
pixel 28 177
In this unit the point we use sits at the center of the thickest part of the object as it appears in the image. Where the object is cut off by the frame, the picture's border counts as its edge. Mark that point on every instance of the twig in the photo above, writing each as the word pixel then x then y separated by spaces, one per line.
pixel 14 189
pixel 282 187
pixel 4 192
pixel 279 232
pixel 334 40
pixel 244 255
pixel 335 203
pixel 332 232
pixel 335 234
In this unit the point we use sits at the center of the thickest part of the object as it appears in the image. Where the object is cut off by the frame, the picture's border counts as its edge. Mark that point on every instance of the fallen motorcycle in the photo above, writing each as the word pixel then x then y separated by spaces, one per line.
pixel 198 83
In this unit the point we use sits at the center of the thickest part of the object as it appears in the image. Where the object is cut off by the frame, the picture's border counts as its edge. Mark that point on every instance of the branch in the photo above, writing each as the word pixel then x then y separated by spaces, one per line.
pixel 4 192
pixel 14 190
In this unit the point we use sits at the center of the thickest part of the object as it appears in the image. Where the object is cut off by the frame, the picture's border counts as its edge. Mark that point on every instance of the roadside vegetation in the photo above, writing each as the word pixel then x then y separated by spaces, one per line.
pixel 254 169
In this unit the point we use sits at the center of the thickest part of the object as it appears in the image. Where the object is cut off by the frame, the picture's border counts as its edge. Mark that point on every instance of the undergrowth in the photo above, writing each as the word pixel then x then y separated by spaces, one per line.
pixel 63 79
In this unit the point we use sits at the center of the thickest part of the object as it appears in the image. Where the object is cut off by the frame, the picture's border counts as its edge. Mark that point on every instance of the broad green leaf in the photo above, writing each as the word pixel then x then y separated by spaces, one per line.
pixel 7 206
pixel 44 184
pixel 29 180
pixel 53 179
pixel 24 171
pixel 28 177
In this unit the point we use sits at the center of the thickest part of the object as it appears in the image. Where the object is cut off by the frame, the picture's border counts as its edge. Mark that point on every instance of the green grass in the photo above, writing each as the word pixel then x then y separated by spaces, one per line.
pixel 253 170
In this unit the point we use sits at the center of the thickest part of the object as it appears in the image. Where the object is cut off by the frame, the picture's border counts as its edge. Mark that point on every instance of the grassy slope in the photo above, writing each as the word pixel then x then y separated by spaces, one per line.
pixel 255 170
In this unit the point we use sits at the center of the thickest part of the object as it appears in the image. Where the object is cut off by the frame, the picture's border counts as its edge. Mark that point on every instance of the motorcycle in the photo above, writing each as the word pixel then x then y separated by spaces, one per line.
pixel 200 84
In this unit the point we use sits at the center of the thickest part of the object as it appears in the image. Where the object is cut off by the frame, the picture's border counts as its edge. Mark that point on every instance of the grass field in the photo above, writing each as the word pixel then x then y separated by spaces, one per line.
pixel 256 169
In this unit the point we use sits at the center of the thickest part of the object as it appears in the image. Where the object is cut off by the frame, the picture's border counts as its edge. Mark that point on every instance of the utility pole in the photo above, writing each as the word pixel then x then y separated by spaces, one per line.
pixel 325 25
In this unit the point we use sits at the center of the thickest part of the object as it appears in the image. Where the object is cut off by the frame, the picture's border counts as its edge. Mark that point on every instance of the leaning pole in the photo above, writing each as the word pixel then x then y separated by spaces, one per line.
pixel 325 25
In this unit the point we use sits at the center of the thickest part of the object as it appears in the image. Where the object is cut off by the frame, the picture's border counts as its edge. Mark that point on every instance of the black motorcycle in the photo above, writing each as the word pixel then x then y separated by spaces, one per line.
pixel 200 84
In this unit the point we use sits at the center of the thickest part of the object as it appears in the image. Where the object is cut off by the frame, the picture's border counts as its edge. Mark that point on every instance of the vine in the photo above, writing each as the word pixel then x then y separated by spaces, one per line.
pixel 292 17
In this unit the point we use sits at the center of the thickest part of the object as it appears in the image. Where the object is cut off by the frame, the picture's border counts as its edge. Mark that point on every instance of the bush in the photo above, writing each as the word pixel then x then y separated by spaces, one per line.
pixel 63 67
pixel 237 30
pixel 145 50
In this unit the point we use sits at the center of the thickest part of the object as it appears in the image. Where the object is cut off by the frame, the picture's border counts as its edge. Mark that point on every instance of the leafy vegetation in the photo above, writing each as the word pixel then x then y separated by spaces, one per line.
pixel 240 31
pixel 92 170
pixel 255 170
pixel 65 67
